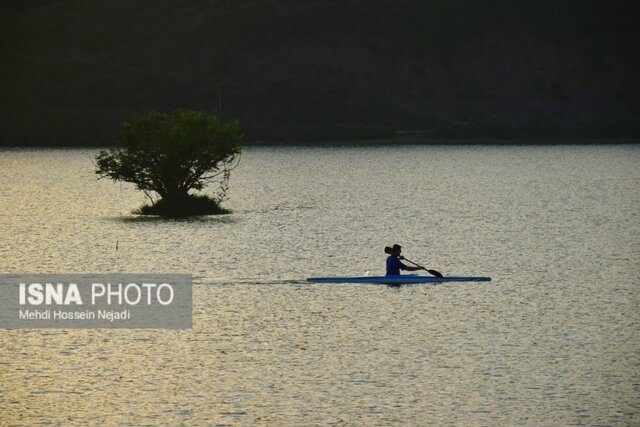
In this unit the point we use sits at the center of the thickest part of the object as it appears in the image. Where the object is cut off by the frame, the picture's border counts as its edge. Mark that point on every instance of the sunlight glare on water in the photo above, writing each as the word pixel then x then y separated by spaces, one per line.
pixel 552 340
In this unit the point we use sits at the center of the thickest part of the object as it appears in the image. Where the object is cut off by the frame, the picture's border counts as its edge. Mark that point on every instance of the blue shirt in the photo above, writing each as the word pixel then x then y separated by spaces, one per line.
pixel 394 266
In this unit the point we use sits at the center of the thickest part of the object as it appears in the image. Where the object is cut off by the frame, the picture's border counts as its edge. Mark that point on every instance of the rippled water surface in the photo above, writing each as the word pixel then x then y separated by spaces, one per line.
pixel 552 340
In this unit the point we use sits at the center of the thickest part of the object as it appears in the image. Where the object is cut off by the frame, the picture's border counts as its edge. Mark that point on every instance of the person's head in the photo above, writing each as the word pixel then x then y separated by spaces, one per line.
pixel 396 250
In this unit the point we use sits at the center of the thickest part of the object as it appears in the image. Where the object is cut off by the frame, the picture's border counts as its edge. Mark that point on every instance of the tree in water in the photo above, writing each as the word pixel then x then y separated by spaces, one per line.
pixel 173 155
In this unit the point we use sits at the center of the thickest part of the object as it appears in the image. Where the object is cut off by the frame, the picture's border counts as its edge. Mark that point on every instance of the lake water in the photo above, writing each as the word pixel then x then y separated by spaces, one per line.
pixel 552 340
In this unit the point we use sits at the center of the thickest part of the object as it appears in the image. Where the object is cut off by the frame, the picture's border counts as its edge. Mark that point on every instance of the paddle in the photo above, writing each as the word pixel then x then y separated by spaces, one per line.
pixel 434 272
pixel 388 250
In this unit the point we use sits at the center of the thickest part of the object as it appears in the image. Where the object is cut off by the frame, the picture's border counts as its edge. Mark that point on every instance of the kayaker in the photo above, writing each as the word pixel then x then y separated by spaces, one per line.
pixel 394 265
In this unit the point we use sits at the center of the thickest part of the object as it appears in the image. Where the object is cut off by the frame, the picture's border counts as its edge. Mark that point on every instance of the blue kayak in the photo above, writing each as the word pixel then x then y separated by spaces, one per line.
pixel 398 280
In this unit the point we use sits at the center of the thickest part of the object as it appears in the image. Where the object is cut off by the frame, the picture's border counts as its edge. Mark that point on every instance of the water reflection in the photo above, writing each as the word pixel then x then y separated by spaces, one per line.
pixel 552 340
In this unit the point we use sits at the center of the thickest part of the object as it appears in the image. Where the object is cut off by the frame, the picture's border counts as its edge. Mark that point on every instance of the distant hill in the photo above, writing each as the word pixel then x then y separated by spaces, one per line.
pixel 73 70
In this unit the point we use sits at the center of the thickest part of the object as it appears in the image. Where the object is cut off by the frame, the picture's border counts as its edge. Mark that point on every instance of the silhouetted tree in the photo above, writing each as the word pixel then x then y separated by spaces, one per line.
pixel 172 154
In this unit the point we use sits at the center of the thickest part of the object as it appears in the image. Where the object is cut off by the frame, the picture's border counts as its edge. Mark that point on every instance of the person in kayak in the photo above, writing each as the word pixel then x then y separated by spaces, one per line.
pixel 394 265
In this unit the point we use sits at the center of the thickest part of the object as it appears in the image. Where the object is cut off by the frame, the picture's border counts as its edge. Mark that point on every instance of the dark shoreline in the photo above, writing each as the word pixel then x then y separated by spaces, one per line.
pixel 453 142
pixel 397 141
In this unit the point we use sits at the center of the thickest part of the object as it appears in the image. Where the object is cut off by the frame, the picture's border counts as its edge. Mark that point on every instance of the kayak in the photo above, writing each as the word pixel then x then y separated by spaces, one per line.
pixel 397 280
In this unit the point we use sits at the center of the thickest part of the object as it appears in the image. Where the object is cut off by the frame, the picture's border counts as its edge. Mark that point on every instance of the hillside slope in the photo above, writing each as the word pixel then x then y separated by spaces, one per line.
pixel 299 69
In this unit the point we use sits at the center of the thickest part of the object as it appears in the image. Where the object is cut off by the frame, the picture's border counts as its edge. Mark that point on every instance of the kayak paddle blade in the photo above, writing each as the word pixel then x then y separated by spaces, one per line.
pixel 435 273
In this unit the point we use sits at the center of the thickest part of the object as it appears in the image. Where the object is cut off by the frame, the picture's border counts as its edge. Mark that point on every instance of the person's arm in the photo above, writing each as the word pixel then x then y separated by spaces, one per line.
pixel 409 268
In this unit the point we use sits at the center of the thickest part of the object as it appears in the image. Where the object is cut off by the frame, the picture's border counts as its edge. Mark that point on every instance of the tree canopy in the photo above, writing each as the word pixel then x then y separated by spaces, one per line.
pixel 173 154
